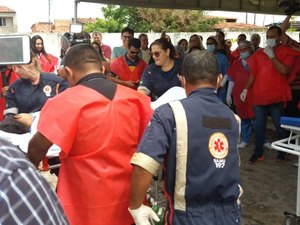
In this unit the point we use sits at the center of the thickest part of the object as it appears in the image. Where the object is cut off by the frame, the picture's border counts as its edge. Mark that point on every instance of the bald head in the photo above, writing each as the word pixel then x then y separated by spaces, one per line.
pixel 200 67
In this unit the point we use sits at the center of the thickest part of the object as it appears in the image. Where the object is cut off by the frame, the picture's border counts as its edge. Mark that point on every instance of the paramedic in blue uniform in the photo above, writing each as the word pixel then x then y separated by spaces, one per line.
pixel 29 93
pixel 199 154
pixel 161 75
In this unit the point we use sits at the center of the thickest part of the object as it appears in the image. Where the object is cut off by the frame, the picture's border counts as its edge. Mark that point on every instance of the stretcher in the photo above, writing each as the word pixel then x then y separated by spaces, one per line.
pixel 22 140
pixel 291 145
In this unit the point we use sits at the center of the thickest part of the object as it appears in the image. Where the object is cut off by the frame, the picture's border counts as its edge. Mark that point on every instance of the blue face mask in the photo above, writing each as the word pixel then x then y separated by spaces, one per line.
pixel 245 55
pixel 211 48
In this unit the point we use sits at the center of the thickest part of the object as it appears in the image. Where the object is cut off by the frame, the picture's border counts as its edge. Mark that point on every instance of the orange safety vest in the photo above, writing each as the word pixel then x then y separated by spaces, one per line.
pixel 97 137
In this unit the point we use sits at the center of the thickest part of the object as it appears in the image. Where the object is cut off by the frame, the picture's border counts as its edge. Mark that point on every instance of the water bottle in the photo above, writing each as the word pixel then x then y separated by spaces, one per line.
pixel 160 211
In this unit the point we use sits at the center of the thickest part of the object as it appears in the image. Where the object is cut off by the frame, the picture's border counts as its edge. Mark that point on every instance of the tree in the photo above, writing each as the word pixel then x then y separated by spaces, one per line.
pixel 156 20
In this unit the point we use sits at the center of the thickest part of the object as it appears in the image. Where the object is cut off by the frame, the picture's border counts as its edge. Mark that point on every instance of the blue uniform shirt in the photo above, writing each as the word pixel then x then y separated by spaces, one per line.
pixel 209 178
pixel 31 98
pixel 157 82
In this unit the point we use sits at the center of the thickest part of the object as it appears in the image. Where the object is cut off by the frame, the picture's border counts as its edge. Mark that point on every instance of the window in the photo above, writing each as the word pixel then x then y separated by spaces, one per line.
pixel 2 21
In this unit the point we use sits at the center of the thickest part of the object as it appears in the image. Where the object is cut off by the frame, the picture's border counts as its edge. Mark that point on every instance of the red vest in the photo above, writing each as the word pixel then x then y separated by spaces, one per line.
pixel 48 65
pixel 121 69
pixel 240 77
pixel 98 138
pixel 12 78
pixel 270 86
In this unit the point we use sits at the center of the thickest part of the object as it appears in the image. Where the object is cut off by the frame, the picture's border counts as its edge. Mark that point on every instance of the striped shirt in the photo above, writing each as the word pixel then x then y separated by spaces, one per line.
pixel 25 197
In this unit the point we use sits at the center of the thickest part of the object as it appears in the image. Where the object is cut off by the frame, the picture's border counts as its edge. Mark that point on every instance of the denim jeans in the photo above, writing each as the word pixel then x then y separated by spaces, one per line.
pixel 246 130
pixel 261 114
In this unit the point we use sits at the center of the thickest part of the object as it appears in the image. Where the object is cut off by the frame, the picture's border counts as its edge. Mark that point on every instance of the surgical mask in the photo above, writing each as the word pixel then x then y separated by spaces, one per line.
pixel 271 42
pixel 245 55
pixel 211 48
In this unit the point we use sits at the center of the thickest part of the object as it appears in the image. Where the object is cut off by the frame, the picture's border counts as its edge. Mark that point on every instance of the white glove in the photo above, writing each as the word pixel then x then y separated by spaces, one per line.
pixel 229 92
pixel 269 52
pixel 243 95
pixel 143 215
pixel 228 100
pixel 224 80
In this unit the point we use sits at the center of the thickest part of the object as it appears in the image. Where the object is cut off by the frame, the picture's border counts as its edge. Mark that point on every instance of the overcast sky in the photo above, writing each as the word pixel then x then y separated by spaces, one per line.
pixel 33 11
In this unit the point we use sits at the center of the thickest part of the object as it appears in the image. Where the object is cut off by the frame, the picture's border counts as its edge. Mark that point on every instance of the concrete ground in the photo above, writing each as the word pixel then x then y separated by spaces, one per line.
pixel 269 186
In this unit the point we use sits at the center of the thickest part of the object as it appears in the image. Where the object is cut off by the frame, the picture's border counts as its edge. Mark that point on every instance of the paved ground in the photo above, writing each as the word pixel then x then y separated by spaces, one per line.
pixel 269 187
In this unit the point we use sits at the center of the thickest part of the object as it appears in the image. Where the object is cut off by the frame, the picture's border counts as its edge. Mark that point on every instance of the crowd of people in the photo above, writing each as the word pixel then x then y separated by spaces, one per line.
pixel 95 105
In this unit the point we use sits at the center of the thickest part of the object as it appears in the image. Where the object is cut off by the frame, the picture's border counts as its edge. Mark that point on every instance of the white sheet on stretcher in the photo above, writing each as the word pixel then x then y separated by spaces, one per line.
pixel 22 141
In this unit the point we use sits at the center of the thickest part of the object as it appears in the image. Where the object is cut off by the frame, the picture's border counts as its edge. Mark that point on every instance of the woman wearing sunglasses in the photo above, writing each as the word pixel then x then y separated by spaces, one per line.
pixel 161 75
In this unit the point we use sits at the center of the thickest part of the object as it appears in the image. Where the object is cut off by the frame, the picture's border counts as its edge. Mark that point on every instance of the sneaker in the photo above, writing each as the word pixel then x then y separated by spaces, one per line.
pixel 242 144
pixel 268 145
pixel 281 157
pixel 254 159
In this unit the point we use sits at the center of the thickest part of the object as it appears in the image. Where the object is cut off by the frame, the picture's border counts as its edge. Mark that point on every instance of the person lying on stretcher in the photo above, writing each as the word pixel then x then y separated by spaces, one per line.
pixel 24 123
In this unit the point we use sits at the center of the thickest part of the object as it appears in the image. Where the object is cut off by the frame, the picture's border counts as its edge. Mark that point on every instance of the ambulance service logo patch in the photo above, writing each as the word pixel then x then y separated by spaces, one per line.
pixel 47 90
pixel 218 148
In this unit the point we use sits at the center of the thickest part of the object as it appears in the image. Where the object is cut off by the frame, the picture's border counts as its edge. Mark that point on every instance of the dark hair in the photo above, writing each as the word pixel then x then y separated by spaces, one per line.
pixel 278 29
pixel 33 48
pixel 243 35
pixel 200 66
pixel 33 42
pixel 100 50
pixel 134 42
pixel 81 54
pixel 164 44
pixel 181 41
pixel 127 29
pixel 215 41
pixel 143 35
pixel 12 125
pixel 223 35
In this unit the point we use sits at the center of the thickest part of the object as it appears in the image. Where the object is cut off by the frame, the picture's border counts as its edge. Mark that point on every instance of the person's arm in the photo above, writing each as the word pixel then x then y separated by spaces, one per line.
pixel 128 83
pixel 140 182
pixel 285 24
pixel 38 148
pixel 249 84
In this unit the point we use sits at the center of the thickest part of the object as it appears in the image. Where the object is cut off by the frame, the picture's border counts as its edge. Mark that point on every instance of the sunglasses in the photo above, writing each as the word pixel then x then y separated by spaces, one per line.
pixel 134 53
pixel 156 54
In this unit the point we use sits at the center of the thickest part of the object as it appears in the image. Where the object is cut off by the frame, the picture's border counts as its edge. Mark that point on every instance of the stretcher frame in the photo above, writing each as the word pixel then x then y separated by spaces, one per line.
pixel 291 145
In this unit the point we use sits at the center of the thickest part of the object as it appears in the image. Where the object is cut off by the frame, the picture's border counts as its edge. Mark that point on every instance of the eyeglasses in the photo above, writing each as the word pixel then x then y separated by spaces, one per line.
pixel 127 37
pixel 134 53
pixel 156 54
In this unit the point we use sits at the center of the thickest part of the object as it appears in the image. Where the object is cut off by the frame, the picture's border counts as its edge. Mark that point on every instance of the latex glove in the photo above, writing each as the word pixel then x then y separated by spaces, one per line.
pixel 243 95
pixel 224 80
pixel 228 100
pixel 143 215
pixel 229 92
pixel 269 52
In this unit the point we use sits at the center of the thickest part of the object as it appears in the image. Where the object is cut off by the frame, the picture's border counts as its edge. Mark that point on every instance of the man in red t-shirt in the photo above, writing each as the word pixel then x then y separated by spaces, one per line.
pixel 271 69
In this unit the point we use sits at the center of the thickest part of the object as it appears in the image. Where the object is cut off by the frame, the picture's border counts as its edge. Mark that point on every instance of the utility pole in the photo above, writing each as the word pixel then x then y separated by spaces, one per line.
pixel 49 10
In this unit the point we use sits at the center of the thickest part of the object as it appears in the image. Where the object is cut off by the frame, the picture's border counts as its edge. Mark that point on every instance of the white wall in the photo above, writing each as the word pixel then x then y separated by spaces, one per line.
pixel 52 40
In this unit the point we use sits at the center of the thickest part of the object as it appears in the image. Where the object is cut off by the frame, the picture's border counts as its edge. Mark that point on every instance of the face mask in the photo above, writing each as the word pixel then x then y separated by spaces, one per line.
pixel 271 42
pixel 245 55
pixel 211 48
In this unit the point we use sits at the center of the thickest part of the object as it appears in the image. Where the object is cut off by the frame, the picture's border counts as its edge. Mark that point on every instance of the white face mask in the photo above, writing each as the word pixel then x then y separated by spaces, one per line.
pixel 271 42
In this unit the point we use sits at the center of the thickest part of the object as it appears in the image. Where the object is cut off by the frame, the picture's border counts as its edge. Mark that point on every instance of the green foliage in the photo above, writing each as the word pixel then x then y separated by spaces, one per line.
pixel 156 20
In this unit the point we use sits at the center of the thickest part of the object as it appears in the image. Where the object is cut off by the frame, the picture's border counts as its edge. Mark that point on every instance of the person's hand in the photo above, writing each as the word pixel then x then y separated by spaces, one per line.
pixel 229 100
pixel 269 52
pixel 143 215
pixel 243 95
pixel 224 80
pixel 130 84
pixel 4 91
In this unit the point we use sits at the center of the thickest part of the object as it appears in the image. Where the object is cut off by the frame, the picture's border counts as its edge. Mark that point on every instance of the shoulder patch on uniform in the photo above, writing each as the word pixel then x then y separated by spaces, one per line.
pixel 218 145
pixel 47 90
pixel 216 122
